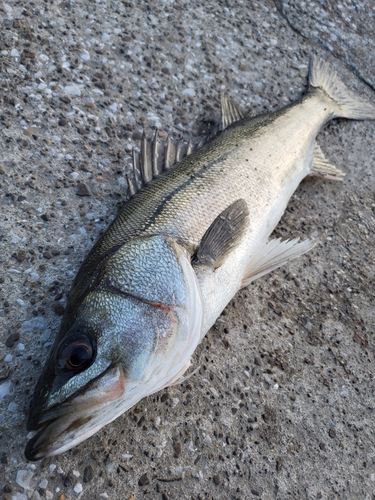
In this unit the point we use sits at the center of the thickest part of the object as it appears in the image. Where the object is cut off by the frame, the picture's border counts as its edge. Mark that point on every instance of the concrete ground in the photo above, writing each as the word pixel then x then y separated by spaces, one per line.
pixel 283 404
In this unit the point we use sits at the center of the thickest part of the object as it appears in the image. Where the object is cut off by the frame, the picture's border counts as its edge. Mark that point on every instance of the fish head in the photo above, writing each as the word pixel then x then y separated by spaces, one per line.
pixel 133 335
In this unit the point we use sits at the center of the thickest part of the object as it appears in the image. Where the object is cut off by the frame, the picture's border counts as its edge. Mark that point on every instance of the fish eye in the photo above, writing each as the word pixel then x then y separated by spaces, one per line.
pixel 76 353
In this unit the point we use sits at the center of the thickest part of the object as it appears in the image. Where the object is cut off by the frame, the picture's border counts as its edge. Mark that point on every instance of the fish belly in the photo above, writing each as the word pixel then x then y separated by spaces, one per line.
pixel 270 167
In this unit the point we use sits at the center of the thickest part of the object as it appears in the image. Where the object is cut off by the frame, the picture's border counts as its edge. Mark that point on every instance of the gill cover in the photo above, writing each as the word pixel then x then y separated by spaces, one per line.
pixel 134 334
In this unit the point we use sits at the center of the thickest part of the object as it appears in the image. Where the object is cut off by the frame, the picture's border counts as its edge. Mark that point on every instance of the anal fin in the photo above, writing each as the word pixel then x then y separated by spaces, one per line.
pixel 322 168
pixel 274 254
pixel 223 235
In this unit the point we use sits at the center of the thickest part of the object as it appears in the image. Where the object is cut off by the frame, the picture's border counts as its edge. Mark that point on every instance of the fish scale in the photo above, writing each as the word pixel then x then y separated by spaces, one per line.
pixel 173 258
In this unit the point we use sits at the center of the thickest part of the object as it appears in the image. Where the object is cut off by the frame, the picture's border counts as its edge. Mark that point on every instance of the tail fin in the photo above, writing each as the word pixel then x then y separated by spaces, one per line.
pixel 349 105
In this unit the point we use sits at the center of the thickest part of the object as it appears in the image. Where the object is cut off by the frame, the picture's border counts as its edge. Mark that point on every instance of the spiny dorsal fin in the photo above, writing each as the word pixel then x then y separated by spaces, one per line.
pixel 230 111
pixel 322 168
pixel 132 186
pixel 155 157
pixel 223 235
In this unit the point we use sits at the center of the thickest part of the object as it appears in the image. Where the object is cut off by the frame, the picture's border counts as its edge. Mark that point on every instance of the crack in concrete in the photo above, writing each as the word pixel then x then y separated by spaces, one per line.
pixel 318 42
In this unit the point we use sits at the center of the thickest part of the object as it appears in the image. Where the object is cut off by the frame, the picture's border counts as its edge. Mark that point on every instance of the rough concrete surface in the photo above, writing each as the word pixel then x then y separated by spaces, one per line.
pixel 283 404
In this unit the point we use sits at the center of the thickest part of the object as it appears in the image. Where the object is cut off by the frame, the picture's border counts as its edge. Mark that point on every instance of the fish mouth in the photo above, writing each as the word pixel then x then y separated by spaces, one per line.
pixel 67 424
pixel 43 445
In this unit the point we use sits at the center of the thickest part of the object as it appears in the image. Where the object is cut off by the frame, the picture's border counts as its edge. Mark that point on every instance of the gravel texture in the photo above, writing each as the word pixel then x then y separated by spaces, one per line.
pixel 283 404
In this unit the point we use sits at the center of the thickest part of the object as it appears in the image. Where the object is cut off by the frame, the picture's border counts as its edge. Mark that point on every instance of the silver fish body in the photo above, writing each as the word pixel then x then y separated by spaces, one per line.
pixel 174 257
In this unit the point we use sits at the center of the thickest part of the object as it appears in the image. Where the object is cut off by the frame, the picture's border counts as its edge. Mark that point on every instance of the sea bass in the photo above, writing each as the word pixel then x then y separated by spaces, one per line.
pixel 176 254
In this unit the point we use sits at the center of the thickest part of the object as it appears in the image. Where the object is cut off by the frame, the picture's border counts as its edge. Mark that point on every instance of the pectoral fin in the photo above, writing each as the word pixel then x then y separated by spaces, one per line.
pixel 223 235
pixel 273 255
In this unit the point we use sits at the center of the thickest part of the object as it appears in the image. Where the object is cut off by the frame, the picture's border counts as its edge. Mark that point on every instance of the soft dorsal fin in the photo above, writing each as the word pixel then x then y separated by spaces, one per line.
pixel 230 111
pixel 223 235
pixel 154 157
pixel 321 167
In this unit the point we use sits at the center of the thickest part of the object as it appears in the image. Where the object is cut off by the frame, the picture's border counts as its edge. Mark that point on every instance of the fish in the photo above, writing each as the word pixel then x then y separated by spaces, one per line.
pixel 180 248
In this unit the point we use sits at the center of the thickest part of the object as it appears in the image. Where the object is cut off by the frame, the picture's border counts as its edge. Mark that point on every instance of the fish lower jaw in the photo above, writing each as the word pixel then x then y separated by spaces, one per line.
pixel 64 426
pixel 57 450
pixel 61 434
